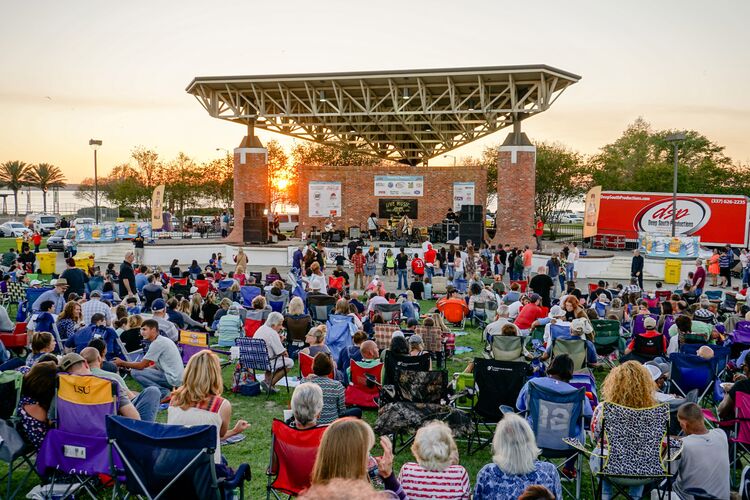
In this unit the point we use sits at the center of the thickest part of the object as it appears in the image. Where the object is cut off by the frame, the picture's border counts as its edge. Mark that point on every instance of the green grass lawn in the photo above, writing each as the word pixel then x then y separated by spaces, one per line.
pixel 260 412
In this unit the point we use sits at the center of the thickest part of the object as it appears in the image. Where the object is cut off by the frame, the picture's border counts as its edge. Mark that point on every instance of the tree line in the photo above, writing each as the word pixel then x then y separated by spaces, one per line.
pixel 15 175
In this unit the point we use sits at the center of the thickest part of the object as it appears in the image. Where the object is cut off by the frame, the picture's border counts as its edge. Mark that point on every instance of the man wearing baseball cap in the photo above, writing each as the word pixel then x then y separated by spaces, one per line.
pixel 95 305
pixel 167 328
pixel 56 295
pixel 646 346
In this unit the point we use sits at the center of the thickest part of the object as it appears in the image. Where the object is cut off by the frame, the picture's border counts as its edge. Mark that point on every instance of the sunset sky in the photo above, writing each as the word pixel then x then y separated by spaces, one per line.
pixel 117 71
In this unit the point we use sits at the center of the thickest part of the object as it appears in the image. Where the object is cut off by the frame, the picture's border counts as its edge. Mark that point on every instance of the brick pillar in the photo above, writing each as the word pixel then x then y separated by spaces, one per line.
pixel 516 176
pixel 250 182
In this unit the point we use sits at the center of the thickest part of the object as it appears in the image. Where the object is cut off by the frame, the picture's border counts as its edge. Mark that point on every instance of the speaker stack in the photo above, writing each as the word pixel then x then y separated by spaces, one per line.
pixel 471 225
pixel 255 224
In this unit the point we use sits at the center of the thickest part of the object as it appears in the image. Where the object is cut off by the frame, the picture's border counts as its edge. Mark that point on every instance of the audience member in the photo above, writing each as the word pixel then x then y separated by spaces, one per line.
pixel 306 405
pixel 333 392
pixel 281 363
pixel 37 393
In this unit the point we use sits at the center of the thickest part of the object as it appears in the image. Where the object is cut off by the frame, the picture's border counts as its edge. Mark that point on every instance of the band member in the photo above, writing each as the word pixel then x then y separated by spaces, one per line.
pixel 372 226
pixel 328 228
pixel 450 216
pixel 406 225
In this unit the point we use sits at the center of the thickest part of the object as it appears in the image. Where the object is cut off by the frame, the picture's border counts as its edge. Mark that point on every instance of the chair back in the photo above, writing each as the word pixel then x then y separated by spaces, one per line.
pixel 174 461
pixel 191 343
pixel 305 364
pixel 320 307
pixel 383 335
pixel 248 293
pixel 464 381
pixel 203 287
pixel 669 320
pixel 360 392
pixel 439 284
pixel 278 303
pixel 10 393
pixel 555 415
pixel 585 379
pixel 506 348
pixel 257 275
pixel 663 295
pixel 253 354
pixel 337 283
pixel 297 327
pixel 293 453
pixel 607 335
pixel 391 313
pixel 340 329
pixel 713 294
pixel 634 454
pixel 522 283
pixel 181 281
pixel 498 383
pixel 638 319
pixel 33 293
pixel 96 283
pixel 432 336
pixel 429 387
pixel 741 333
pixel 396 363
pixel 556 331
pixel 648 347
pixel 455 311
pixel 742 410
pixel 254 320
pixel 691 372
pixel 575 348
pixel 84 398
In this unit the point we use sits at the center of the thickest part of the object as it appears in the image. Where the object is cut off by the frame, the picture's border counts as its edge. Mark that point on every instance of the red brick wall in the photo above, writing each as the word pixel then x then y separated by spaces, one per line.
pixel 250 184
pixel 515 195
pixel 358 188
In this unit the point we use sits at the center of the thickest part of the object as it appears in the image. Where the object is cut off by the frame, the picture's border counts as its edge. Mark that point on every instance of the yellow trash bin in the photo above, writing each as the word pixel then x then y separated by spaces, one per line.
pixel 19 243
pixel 672 268
pixel 47 262
pixel 84 260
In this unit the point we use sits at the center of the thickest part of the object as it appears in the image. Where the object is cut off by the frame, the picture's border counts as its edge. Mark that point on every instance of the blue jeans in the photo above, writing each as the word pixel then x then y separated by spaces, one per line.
pixel 151 377
pixel 402 273
pixel 569 271
pixel 429 271
pixel 746 276
pixel 147 403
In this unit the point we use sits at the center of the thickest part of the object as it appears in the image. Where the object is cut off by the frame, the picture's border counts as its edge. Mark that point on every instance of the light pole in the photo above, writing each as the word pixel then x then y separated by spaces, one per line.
pixel 451 156
pixel 96 144
pixel 675 139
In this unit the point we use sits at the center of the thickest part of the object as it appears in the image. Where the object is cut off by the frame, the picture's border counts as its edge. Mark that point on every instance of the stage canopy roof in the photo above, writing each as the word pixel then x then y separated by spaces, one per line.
pixel 406 115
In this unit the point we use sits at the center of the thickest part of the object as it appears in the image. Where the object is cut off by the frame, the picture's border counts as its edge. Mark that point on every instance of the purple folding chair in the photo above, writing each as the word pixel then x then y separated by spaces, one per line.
pixel 638 323
pixel 668 322
pixel 77 446
pixel 740 338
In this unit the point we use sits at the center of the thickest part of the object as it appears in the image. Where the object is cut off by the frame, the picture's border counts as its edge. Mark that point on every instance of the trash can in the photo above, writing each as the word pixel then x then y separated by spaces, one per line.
pixel 84 260
pixel 672 268
pixel 47 262
pixel 19 243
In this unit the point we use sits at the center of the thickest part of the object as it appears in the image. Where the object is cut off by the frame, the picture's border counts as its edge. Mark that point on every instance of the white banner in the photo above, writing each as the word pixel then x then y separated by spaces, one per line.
pixel 325 199
pixel 463 194
pixel 399 185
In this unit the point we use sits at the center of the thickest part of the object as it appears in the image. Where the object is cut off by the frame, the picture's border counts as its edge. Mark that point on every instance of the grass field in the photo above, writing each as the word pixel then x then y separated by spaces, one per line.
pixel 260 412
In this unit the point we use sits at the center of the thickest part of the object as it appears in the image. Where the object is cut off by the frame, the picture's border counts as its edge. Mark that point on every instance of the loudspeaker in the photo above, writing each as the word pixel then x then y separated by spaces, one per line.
pixel 336 237
pixel 254 210
pixel 471 231
pixel 354 232
pixel 452 231
pixel 257 224
pixel 254 230
pixel 471 213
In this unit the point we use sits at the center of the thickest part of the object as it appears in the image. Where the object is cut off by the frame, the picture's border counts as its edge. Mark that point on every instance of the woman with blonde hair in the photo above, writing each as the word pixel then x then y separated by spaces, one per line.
pixel 194 308
pixel 436 473
pixel 240 261
pixel 198 402
pixel 342 308
pixel 515 465
pixel 344 453
pixel 316 280
pixel 316 339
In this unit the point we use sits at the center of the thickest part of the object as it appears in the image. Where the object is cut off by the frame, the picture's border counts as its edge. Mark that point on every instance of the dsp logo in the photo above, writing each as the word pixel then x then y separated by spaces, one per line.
pixel 690 216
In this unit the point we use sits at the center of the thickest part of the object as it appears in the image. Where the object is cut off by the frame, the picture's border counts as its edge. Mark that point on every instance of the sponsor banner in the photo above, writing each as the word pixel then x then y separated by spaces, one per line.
pixel 659 245
pixel 324 199
pixel 591 214
pixel 157 207
pixel 108 231
pixel 399 185
pixel 714 219
pixel 463 194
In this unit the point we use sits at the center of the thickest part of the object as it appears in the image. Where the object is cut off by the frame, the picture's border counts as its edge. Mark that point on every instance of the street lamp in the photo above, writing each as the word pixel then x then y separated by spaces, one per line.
pixel 675 139
pixel 451 156
pixel 96 144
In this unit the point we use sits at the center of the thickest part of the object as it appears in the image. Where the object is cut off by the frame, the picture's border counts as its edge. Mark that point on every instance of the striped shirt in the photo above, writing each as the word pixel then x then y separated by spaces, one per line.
pixel 333 398
pixel 93 306
pixel 420 483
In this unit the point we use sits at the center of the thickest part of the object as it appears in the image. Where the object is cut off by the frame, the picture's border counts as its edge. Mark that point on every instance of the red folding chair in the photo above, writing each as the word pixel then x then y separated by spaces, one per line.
pixel 522 283
pixel 17 339
pixel 306 365
pixel 592 287
pixel 663 295
pixel 455 311
pixel 203 287
pixel 181 281
pixel 337 283
pixel 358 393
pixel 251 326
pixel 293 453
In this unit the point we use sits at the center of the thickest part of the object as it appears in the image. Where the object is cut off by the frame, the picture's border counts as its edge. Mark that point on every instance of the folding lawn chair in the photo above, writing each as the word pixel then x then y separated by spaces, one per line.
pixel 439 284
pixel 320 306
pixel 248 293
pixel 383 335
pixel 555 416
pixel 16 341
pixel 637 326
pixel 278 303
pixel 505 348
pixel 168 461
pixel 293 453
pixel 607 338
pixel 254 319
pixel 691 372
pixel 464 386
pixel 454 311
pixel 360 391
pixel 296 331
pixel 306 365
pixel 76 446
pixel 191 343
pixel 339 332
pixel 647 348
pixel 13 450
pixel 432 337
pixel 391 313
pixel 522 283
pixel 136 355
pixel 713 295
pixel 575 348
pixel 498 383
pixel 484 313
pixel 254 356
pixel 395 363
pixel 203 286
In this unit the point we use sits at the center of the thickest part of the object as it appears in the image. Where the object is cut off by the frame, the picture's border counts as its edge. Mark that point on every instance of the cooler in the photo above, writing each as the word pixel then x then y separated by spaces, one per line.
pixel 84 260
pixel 672 268
pixel 47 262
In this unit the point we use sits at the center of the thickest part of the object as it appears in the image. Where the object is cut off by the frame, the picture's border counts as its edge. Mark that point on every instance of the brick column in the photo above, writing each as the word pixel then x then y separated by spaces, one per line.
pixel 250 182
pixel 516 180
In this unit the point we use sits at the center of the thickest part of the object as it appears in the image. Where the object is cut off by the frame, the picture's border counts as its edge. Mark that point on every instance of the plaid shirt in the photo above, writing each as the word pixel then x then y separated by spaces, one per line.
pixel 358 259
pixel 93 306
pixel 630 289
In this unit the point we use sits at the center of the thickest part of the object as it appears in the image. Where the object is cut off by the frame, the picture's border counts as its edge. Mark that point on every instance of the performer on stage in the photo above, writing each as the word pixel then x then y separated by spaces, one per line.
pixel 328 227
pixel 372 226
pixel 450 216
pixel 406 225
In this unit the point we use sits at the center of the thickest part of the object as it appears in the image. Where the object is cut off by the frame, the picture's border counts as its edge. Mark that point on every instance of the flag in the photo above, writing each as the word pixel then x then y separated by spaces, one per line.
pixel 157 205
pixel 591 214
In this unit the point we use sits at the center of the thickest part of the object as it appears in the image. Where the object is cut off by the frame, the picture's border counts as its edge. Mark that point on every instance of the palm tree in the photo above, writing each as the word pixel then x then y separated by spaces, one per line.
pixel 13 176
pixel 45 176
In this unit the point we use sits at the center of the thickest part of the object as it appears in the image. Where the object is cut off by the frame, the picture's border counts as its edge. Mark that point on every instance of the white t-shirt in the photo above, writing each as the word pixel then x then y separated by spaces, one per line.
pixel 495 327
pixel 372 223
pixel 513 309
pixel 273 341
pixel 165 355
pixel 573 255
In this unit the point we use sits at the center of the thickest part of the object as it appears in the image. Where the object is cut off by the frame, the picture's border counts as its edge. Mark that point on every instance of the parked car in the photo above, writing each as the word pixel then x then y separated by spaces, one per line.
pixel 61 239
pixel 82 221
pixel 288 223
pixel 14 229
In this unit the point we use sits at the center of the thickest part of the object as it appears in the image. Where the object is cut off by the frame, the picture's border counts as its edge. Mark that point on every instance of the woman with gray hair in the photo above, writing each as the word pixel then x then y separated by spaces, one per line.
pixel 515 465
pixel 436 473
pixel 281 363
pixel 307 403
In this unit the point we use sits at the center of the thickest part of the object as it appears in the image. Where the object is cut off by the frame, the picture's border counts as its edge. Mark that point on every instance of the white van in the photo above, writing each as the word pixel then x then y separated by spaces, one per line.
pixel 288 223
pixel 45 223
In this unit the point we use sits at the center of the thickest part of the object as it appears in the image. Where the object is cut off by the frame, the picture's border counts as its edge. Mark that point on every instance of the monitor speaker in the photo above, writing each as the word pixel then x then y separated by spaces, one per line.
pixel 354 232
pixel 401 243
pixel 254 210
pixel 471 213
pixel 336 237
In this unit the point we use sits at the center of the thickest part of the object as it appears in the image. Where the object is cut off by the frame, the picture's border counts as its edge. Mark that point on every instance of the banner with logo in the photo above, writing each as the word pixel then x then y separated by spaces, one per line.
pixel 591 212
pixel 157 206
pixel 399 185
pixel 109 231
pixel 463 194
pixel 716 219
pixel 657 245
pixel 324 199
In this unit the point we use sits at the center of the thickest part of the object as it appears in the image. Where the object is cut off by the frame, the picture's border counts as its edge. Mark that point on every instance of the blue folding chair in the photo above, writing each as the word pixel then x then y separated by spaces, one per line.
pixel 339 332
pixel 168 461
pixel 254 356
pixel 637 325
pixel 556 331
pixel 248 293
pixel 278 303
pixel 555 416
pixel 320 306
pixel 714 295
pixel 690 372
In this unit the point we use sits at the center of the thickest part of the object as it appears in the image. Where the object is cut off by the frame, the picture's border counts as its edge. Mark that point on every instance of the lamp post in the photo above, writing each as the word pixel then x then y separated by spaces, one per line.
pixel 96 144
pixel 675 139
pixel 451 156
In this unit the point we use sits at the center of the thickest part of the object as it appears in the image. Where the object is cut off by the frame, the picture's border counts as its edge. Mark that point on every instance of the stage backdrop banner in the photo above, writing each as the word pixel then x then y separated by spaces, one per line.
pixel 407 186
pixel 324 199
pixel 463 194
pixel 157 205
pixel 660 245
pixel 390 209
pixel 591 215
